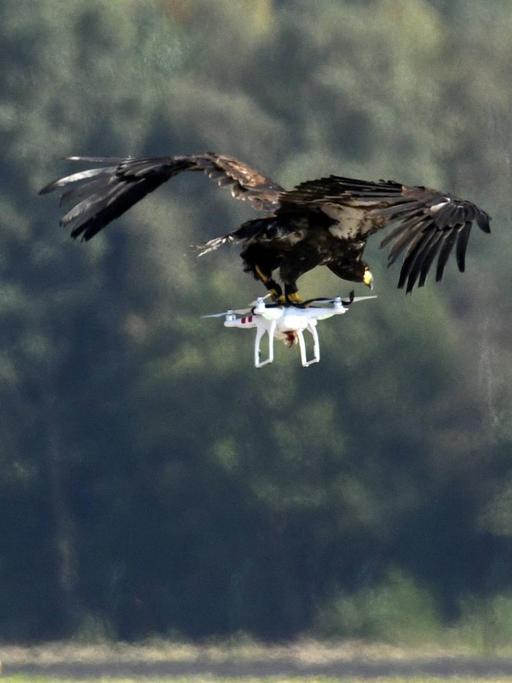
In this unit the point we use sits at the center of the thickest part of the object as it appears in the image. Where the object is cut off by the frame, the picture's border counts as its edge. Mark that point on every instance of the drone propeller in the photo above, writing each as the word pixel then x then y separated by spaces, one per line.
pixel 364 298
pixel 239 311
pixel 346 302
pixel 260 298
pixel 332 300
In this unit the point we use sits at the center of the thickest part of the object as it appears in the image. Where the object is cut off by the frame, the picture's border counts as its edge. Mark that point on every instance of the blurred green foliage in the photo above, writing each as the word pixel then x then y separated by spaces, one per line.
pixel 150 478
pixel 396 610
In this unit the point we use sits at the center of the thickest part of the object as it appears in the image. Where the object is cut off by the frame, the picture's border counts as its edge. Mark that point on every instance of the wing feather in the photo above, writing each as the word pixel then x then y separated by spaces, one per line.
pixel 77 177
pixel 100 195
pixel 413 253
pixel 410 232
pixel 462 243
pixel 425 222
pixel 423 252
pixel 430 257
pixel 446 249
pixel 79 191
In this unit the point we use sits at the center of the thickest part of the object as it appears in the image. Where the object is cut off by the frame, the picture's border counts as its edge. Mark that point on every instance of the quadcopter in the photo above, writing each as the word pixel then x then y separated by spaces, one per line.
pixel 287 323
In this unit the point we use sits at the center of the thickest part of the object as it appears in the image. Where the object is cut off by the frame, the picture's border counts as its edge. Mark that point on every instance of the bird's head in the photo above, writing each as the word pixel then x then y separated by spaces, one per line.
pixel 355 270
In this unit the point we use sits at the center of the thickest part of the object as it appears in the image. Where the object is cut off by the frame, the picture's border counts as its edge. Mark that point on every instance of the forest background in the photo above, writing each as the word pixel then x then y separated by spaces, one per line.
pixel 151 481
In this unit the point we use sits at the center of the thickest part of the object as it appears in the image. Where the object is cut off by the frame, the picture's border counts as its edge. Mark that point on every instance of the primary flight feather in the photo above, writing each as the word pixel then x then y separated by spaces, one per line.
pixel 320 222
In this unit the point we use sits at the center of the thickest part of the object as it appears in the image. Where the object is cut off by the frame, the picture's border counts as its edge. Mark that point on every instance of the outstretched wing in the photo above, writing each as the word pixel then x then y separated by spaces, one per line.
pixel 99 195
pixel 428 223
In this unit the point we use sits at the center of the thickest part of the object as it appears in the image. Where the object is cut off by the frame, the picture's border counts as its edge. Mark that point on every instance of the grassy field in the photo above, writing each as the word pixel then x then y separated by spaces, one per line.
pixel 19 678
pixel 299 662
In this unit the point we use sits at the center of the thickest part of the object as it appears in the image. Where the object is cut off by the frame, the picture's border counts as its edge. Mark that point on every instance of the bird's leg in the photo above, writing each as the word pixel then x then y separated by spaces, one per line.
pixel 273 287
pixel 291 293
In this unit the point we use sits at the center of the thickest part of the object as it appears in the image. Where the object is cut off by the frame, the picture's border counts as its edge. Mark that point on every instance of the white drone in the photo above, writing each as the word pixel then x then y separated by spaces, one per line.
pixel 287 323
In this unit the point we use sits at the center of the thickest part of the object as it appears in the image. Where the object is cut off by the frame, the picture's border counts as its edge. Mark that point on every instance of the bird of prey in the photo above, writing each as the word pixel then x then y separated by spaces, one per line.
pixel 320 222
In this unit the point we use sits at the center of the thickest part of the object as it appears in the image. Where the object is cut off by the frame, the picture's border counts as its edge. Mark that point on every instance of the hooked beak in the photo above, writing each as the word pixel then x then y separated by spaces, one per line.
pixel 368 278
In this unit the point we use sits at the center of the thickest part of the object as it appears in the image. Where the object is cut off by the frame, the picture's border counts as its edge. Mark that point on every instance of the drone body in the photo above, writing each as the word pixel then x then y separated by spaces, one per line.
pixel 287 324
pixel 321 222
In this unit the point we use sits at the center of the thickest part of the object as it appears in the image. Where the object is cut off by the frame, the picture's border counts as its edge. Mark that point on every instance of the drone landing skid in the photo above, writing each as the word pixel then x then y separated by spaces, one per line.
pixel 260 333
pixel 316 346
pixel 270 332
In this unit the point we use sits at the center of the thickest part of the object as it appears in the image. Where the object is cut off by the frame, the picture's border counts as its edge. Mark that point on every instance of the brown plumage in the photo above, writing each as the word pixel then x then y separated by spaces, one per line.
pixel 320 222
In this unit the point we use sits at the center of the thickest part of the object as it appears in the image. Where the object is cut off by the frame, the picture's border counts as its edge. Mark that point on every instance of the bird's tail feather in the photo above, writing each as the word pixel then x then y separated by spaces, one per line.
pixel 214 244
pixel 259 227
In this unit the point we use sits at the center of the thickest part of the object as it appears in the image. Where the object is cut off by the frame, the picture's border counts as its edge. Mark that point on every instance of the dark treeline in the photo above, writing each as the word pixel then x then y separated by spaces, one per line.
pixel 153 482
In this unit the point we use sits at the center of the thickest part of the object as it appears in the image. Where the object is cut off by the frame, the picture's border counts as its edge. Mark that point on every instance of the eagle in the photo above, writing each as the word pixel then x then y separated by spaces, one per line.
pixel 324 222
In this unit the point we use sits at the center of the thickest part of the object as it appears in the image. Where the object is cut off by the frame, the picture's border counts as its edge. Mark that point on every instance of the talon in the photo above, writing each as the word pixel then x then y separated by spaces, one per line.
pixel 293 298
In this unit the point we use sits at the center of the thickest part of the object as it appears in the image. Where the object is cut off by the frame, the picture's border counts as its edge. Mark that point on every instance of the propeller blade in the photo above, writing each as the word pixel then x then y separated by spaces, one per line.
pixel 215 315
pixel 354 299
pixel 346 301
pixel 320 299
pixel 330 300
pixel 364 298
pixel 238 311
pixel 254 303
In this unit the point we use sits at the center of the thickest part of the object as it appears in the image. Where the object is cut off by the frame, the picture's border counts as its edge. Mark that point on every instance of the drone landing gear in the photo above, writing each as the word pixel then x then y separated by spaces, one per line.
pixel 260 333
pixel 298 334
pixel 311 328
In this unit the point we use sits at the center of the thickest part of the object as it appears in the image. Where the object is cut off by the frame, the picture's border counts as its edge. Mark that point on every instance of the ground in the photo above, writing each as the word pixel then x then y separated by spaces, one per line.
pixel 158 679
pixel 300 662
